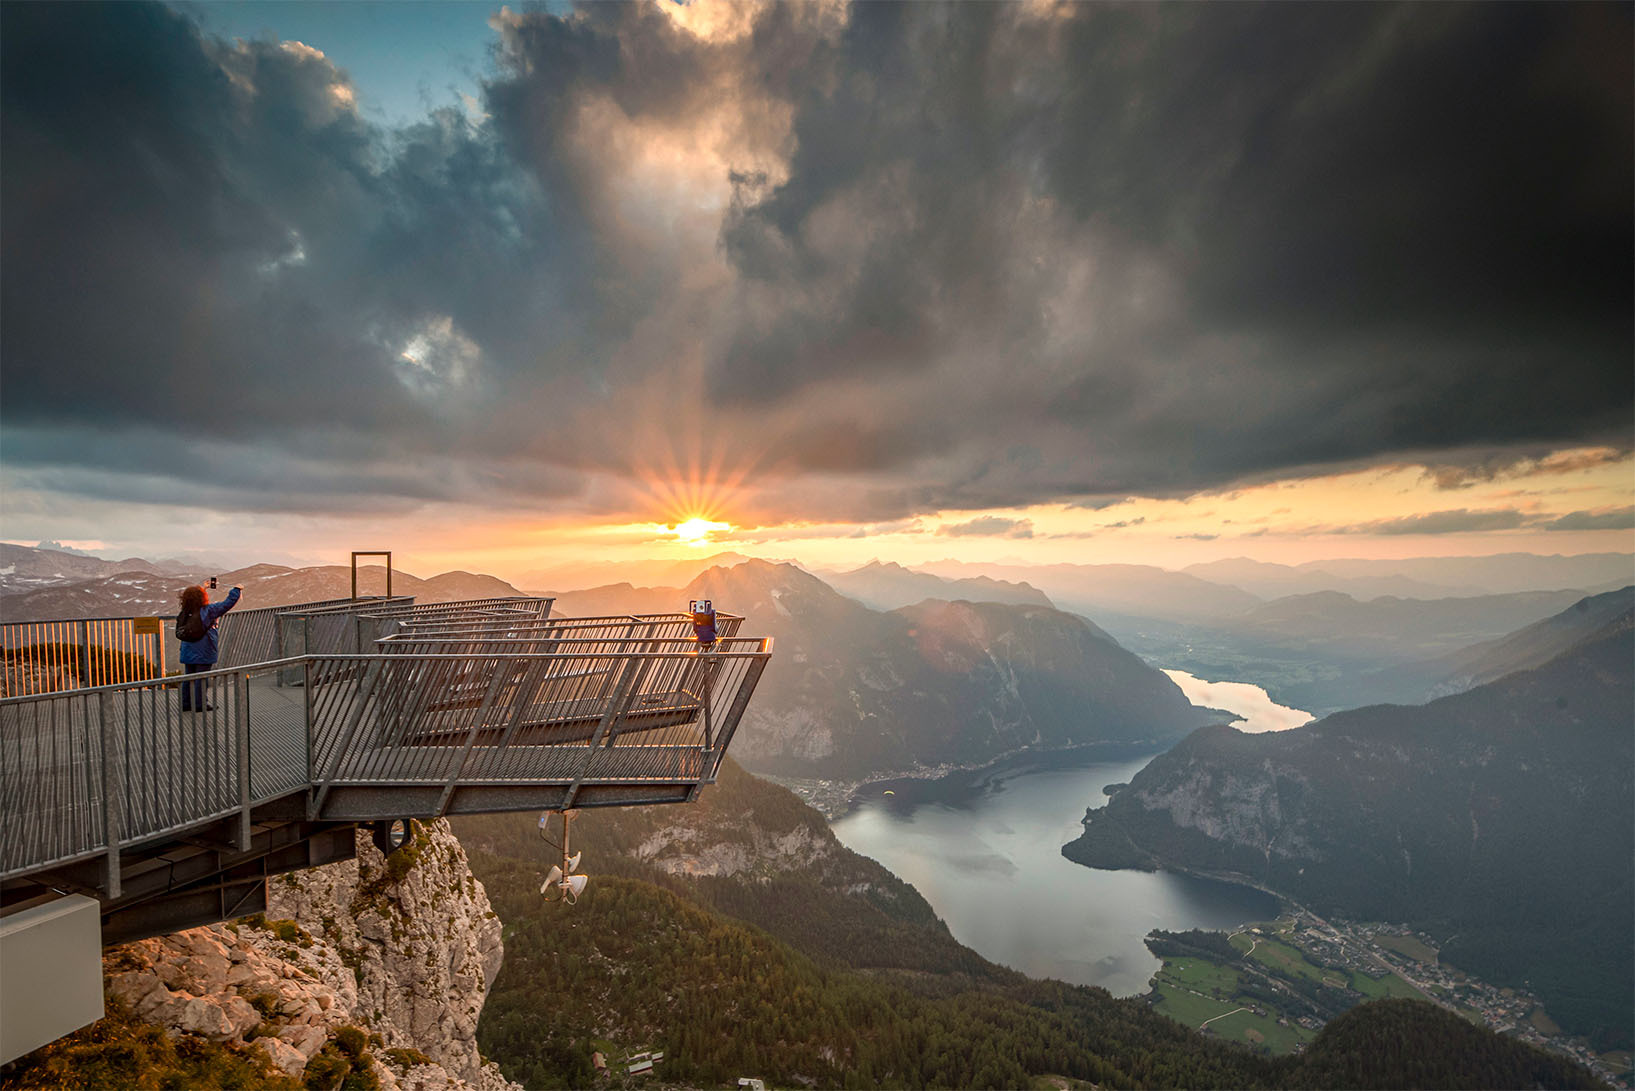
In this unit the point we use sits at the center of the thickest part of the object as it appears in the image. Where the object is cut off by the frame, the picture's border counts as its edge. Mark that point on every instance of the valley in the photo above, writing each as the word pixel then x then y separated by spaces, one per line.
pixel 740 939
pixel 901 909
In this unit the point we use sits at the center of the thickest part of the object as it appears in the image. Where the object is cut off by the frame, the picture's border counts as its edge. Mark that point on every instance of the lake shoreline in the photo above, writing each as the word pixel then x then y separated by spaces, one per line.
pixel 973 840
pixel 836 799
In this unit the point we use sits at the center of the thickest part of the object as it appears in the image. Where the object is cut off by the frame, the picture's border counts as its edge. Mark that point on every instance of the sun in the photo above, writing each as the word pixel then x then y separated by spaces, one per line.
pixel 699 530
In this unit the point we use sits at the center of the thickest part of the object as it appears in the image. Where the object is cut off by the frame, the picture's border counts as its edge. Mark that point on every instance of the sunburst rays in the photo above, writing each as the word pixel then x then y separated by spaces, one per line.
pixel 692 485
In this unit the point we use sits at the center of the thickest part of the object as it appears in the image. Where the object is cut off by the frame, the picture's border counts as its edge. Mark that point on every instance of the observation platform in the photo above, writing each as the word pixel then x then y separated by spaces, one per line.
pixel 323 716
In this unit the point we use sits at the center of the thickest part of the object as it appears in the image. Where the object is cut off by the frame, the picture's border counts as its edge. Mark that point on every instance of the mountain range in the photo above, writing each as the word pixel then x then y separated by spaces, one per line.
pixel 1498 818
pixel 853 692
pixel 1426 679
pixel 1104 590
pixel 1270 581
pixel 1309 650
pixel 887 586
pixel 25 568
pixel 648 573
pixel 130 592
pixel 1422 577
pixel 1336 626
pixel 737 933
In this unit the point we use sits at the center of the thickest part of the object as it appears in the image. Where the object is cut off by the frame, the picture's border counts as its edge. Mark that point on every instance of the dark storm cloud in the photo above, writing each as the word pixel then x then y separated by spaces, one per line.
pixel 1441 522
pixel 207 240
pixel 1479 468
pixel 963 256
pixel 1618 519
pixel 1315 233
pixel 323 472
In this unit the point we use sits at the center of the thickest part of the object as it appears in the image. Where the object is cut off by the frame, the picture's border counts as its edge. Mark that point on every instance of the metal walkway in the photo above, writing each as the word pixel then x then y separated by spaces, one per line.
pixel 171 817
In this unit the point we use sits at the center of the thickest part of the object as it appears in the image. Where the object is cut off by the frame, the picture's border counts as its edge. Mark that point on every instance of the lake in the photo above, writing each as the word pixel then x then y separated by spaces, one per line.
pixel 984 848
pixel 1255 705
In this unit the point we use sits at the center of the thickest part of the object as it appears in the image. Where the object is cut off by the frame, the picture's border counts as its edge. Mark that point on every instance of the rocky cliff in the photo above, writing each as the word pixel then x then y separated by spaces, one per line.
pixel 402 948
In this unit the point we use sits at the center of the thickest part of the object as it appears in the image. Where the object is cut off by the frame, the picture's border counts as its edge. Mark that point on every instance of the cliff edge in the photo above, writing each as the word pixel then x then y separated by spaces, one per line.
pixel 379 963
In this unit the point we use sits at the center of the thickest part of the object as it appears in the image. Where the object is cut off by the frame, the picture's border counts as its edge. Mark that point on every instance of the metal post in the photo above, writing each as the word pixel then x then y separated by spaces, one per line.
pixel 241 714
pixel 306 710
pixel 113 769
pixel 710 670
pixel 85 654
pixel 740 700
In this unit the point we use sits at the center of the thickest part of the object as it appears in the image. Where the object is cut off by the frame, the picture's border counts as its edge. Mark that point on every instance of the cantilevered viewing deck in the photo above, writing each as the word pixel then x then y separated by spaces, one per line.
pixel 326 715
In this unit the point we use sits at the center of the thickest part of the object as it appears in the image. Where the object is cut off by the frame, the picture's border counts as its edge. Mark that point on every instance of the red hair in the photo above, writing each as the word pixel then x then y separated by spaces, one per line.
pixel 194 598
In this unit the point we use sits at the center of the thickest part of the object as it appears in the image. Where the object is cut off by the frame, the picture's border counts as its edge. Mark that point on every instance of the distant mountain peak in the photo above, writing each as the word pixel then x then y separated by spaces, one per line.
pixel 878 565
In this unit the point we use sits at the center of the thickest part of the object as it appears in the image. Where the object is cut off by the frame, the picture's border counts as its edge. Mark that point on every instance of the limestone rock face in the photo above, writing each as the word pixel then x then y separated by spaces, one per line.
pixel 418 936
pixel 404 948
pixel 733 848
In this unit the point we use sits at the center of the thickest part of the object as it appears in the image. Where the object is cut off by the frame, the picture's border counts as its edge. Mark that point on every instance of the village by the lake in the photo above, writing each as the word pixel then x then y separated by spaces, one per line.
pixel 1295 973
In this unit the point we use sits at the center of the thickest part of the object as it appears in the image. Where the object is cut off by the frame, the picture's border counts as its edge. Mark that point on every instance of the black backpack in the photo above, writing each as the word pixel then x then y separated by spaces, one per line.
pixel 190 626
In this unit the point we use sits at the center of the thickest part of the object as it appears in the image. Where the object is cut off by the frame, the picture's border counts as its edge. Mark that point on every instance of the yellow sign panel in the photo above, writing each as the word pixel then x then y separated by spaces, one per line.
pixel 145 625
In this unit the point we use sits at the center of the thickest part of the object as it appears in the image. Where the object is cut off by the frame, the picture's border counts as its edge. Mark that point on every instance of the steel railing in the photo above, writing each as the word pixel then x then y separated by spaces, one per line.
pixel 376 624
pixel 253 635
pixel 615 628
pixel 67 654
pixel 53 656
pixel 92 770
pixel 390 734
pixel 325 628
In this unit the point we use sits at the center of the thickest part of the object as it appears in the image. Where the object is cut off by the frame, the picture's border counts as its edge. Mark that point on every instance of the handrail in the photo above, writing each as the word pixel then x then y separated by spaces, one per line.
pixel 617 629
pixel 90 772
pixel 56 654
pixel 65 653
pixel 77 620
pixel 575 622
pixel 536 605
pixel 485 638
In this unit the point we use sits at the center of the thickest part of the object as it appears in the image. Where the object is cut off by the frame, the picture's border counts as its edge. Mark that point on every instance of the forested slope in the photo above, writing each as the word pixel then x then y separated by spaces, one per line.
pixel 739 938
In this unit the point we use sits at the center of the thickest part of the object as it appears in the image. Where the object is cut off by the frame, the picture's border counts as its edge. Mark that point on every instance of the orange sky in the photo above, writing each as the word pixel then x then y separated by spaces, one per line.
pixel 1365 513
pixel 1387 511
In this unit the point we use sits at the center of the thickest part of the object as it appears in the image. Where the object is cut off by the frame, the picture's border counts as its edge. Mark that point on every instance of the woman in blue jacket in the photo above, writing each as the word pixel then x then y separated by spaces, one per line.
pixel 200 655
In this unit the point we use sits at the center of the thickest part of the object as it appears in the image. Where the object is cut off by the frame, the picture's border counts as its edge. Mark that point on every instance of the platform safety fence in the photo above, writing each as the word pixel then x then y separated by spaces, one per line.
pixel 81 653
pixel 54 656
pixel 92 770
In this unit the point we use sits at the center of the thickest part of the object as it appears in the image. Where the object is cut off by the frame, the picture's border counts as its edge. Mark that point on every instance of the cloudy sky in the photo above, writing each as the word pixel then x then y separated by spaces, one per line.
pixel 501 288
